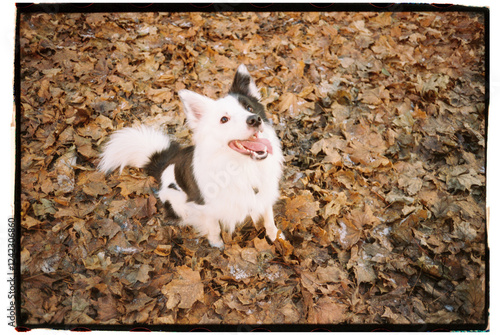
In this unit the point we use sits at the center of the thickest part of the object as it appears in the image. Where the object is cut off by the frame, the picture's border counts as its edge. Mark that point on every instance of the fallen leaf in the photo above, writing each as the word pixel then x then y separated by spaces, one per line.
pixel 28 222
pixel 185 290
pixel 163 250
pixel 327 311
pixel 345 233
pixel 302 207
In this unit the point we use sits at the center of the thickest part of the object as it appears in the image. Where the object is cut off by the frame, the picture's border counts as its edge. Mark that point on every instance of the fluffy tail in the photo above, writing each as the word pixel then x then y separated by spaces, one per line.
pixel 132 147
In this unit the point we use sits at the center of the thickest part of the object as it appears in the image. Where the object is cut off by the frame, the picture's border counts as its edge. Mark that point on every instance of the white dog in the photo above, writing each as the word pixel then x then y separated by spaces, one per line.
pixel 231 172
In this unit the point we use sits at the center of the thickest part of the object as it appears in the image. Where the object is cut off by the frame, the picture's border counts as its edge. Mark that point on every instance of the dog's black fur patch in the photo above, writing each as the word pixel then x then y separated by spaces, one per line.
pixel 252 105
pixel 173 186
pixel 183 170
pixel 184 175
pixel 241 84
pixel 171 214
pixel 160 160
pixel 240 89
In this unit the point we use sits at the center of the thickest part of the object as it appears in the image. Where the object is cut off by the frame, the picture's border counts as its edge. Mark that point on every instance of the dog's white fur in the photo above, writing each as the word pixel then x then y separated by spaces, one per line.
pixel 132 147
pixel 233 186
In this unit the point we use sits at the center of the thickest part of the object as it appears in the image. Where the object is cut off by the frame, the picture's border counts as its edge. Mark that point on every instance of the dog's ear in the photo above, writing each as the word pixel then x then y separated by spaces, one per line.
pixel 195 106
pixel 243 84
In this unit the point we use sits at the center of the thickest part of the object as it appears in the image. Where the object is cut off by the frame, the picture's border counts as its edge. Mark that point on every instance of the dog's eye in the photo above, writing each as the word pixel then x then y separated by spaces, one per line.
pixel 224 119
pixel 250 109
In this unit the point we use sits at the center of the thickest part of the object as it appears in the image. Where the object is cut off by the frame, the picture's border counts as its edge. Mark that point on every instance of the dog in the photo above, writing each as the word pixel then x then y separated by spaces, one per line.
pixel 231 172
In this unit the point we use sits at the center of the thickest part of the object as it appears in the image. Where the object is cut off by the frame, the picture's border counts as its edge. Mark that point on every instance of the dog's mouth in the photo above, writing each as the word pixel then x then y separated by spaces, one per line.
pixel 257 148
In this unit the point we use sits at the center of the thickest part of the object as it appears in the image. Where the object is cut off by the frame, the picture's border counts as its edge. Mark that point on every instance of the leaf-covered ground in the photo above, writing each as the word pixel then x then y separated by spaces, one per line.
pixel 382 120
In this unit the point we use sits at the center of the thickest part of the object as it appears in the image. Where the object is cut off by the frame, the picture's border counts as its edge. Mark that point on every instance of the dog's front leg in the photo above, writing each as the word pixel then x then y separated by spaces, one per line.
pixel 270 226
pixel 214 233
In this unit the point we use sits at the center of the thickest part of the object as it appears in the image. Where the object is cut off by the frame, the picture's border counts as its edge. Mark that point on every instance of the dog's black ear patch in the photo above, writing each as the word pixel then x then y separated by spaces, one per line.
pixel 243 84
pixel 252 105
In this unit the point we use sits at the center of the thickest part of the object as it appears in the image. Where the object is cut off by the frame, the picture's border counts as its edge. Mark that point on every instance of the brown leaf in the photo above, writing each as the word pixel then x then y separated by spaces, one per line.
pixel 291 313
pixel 284 247
pixel 104 122
pixel 345 177
pixel 106 310
pixel 301 207
pixel 317 280
pixel 143 273
pixel 184 291
pixel 45 207
pixel 44 89
pixel 346 233
pixel 84 147
pixel 374 96
pixel 363 267
pixel 159 96
pixel 94 183
pixel 443 317
pixel 395 318
pixel 97 262
pixel 108 227
pixel 139 303
pixel 457 180
pixel 96 188
pixel 288 103
pixel 244 270
pixel 29 222
pixel 334 207
pixel 145 207
pixel 92 130
pixel 78 210
pixel 411 184
pixel 332 273
pixel 163 250
pixel 261 245
pixel 64 168
pixel 363 218
pixel 329 146
pixel 472 295
pixel 137 185
pixel 327 311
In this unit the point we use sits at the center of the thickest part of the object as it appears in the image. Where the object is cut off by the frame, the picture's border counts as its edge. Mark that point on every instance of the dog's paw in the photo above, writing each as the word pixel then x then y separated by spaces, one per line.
pixel 216 242
pixel 277 235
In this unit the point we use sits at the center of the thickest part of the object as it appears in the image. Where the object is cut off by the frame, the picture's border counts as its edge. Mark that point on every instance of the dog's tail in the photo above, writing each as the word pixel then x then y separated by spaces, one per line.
pixel 133 147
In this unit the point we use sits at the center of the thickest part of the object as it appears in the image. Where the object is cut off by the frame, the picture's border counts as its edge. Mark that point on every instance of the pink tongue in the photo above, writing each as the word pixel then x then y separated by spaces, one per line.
pixel 259 144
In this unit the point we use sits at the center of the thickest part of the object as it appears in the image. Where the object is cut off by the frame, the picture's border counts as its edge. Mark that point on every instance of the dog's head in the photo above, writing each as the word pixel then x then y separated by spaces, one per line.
pixel 237 121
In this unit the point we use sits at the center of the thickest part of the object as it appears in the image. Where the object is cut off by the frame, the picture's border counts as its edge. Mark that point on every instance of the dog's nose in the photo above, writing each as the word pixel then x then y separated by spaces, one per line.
pixel 254 121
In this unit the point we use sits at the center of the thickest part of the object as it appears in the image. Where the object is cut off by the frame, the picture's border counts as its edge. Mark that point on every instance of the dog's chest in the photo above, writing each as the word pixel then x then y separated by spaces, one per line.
pixel 245 186
pixel 236 182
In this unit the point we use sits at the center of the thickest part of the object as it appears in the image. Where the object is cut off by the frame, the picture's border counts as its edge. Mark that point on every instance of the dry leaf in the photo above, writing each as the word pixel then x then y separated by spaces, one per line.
pixel 184 291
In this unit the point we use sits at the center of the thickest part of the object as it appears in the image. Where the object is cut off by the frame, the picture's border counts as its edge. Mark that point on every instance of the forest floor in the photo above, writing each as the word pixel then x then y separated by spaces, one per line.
pixel 382 118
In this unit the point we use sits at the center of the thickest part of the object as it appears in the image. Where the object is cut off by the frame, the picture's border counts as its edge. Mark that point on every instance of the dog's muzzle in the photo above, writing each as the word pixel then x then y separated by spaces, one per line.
pixel 257 148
